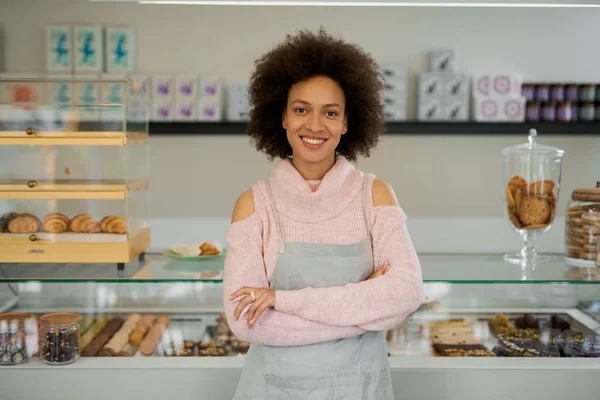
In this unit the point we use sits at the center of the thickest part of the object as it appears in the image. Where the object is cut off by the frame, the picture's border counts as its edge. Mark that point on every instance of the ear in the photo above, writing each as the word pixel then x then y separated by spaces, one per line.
pixel 345 126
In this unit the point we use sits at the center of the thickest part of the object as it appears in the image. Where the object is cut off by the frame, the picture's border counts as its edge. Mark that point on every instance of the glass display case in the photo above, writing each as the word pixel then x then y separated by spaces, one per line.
pixel 158 324
pixel 74 172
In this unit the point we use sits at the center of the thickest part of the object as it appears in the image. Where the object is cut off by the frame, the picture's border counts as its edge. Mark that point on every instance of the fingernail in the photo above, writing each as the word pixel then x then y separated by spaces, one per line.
pixel 234 318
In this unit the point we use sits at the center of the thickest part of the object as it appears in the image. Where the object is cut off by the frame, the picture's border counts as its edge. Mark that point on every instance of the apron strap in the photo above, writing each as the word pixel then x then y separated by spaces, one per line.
pixel 364 203
pixel 272 202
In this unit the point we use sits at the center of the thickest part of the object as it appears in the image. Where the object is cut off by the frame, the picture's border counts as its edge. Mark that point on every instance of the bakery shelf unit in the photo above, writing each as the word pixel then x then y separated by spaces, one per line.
pixel 74 176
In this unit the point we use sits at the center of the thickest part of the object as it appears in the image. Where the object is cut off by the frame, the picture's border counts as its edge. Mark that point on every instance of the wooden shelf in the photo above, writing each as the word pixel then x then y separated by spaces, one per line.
pixel 399 128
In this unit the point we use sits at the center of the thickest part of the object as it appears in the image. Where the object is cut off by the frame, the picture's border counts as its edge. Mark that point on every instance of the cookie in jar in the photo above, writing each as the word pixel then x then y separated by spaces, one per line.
pixel 531 205
pixel 582 227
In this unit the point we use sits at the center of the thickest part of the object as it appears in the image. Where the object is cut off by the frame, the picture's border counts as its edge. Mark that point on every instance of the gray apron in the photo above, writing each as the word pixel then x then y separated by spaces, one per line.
pixel 355 368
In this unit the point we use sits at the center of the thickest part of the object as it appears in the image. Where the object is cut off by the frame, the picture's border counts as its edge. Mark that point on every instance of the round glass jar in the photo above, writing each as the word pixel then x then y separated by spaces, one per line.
pixel 582 227
pixel 59 338
pixel 532 175
pixel 13 338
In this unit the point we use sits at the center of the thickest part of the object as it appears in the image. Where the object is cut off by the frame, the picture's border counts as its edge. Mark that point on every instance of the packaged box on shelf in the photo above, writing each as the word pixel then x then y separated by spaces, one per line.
pixel 59 49
pixel 209 109
pixel 185 111
pixel 430 87
pixel 498 109
pixel 186 88
pixel 137 111
pixel 139 87
pixel 163 88
pixel 210 86
pixel 456 87
pixel 120 49
pixel 441 61
pixel 392 72
pixel 508 84
pixel 88 92
pixel 22 91
pixel 88 49
pixel 391 97
pixel 162 111
pixel 431 111
pixel 112 95
pixel 396 112
pixel 456 111
pixel 61 92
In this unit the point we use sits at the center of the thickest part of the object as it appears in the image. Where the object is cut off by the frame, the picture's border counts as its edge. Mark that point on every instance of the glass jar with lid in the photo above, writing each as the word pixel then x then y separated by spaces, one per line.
pixel 582 227
pixel 532 176
pixel 14 341
pixel 59 338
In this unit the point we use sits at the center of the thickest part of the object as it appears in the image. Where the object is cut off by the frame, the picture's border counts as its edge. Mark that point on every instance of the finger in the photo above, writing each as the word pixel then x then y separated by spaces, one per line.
pixel 259 306
pixel 240 307
pixel 250 312
pixel 259 310
pixel 240 292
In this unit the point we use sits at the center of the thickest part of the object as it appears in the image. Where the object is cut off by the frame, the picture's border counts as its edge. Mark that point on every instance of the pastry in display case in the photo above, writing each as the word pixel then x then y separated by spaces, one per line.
pixel 532 174
pixel 74 178
pixel 582 228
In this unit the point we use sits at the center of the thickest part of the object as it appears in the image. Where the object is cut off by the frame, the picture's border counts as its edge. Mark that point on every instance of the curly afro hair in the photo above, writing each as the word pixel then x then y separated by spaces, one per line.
pixel 299 58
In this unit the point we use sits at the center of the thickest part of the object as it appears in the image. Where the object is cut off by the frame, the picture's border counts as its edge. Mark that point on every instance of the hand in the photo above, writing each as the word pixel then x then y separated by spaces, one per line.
pixel 265 298
pixel 381 270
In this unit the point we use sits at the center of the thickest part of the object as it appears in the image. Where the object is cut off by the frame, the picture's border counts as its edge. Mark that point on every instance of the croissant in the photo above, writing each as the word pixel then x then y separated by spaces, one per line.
pixel 5 219
pixel 84 223
pixel 55 223
pixel 24 223
pixel 114 224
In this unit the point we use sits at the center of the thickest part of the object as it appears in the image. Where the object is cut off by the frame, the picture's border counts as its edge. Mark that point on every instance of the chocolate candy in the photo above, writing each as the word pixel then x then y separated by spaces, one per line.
pixel 60 346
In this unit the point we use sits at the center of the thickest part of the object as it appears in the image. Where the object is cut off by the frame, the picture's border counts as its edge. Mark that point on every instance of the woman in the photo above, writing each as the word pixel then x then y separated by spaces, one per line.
pixel 300 279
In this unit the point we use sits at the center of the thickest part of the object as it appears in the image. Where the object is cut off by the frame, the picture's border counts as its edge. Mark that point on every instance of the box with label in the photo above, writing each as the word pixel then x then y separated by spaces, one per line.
pixel 396 112
pixel 501 84
pixel 209 109
pixel 499 109
pixel 88 49
pixel 432 110
pixel 139 87
pixel 185 111
pixel 137 111
pixel 456 111
pixel 20 90
pixel 162 110
pixel 112 94
pixel 61 92
pixel 430 86
pixel 210 86
pixel 442 61
pixel 163 88
pixel 456 87
pixel 120 49
pixel 238 103
pixel 87 91
pixel 392 72
pixel 59 49
pixel 390 97
pixel 186 88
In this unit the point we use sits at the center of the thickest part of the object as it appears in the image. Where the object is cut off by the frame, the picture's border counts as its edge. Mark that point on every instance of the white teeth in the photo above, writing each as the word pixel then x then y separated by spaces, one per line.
pixel 313 141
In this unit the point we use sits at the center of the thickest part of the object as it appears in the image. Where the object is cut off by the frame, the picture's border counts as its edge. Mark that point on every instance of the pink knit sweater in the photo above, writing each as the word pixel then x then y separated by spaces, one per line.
pixel 332 213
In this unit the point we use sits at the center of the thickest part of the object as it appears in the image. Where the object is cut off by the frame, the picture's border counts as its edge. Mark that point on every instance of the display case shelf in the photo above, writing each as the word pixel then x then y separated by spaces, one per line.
pixel 437 268
pixel 69 189
pixel 78 138
pixel 398 128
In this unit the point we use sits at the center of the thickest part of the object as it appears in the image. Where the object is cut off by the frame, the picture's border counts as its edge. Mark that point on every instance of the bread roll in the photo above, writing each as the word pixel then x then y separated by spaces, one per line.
pixel 114 224
pixel 24 223
pixel 5 219
pixel 84 223
pixel 55 223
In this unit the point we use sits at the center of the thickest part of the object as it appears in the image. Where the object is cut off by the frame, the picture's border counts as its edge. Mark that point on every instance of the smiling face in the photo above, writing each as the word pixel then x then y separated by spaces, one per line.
pixel 315 119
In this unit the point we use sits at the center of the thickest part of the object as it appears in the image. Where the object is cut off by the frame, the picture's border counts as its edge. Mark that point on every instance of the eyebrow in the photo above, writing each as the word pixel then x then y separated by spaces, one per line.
pixel 307 103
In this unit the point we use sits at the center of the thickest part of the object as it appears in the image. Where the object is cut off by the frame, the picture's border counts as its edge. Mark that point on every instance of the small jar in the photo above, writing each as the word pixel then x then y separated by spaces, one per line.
pixel 587 112
pixel 542 92
pixel 557 92
pixel 598 93
pixel 574 111
pixel 587 93
pixel 572 92
pixel 582 235
pixel 59 335
pixel 13 344
pixel 549 112
pixel 528 91
pixel 597 111
pixel 563 112
pixel 532 111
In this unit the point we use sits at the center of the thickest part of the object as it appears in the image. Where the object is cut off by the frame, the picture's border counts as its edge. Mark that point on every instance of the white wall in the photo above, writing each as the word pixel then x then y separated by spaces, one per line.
pixel 447 179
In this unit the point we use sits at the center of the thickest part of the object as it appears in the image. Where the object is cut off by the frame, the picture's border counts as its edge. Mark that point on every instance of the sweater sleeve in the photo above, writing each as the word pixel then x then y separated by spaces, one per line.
pixel 245 266
pixel 375 304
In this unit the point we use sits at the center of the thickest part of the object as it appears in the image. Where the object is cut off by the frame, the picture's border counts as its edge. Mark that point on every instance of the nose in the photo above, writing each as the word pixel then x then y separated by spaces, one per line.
pixel 315 123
